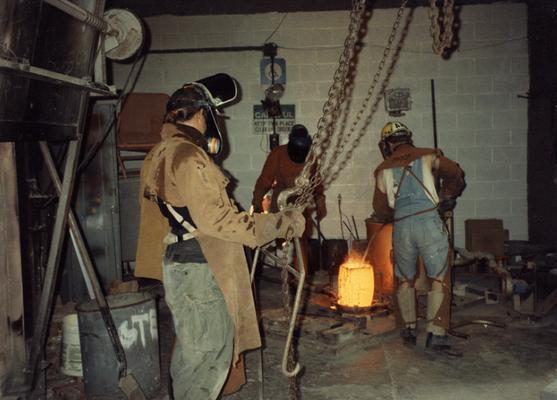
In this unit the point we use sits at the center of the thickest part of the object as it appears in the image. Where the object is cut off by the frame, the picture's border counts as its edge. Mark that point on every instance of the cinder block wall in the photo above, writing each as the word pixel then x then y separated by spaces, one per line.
pixel 481 122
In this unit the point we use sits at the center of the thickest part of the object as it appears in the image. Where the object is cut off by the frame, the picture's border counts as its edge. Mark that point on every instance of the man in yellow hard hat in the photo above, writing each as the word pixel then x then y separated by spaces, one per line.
pixel 406 193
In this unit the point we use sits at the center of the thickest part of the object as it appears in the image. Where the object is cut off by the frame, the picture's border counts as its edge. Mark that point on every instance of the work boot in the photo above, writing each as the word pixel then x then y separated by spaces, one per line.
pixel 408 336
pixel 441 344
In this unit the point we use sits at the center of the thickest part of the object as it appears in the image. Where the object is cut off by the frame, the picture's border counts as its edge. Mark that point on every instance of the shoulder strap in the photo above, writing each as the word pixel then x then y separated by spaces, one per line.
pixel 181 220
pixel 423 186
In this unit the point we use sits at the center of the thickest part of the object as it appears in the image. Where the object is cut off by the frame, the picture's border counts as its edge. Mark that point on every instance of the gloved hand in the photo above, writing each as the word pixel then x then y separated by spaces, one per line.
pixel 296 222
pixel 447 204
pixel 284 224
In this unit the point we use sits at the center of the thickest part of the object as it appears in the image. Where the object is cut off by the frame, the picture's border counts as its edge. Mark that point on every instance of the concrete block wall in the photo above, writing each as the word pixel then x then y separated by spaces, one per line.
pixel 481 122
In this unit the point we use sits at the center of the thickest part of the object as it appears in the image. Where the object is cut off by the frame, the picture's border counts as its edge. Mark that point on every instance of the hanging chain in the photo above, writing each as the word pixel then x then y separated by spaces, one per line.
pixel 388 48
pixel 442 35
pixel 315 171
pixel 332 109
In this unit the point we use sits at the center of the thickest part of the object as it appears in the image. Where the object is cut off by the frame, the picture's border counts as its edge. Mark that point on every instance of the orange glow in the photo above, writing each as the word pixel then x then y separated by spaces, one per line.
pixel 379 255
pixel 355 283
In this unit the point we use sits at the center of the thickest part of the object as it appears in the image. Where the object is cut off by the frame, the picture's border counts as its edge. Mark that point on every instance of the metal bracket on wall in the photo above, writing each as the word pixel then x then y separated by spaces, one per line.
pixel 29 71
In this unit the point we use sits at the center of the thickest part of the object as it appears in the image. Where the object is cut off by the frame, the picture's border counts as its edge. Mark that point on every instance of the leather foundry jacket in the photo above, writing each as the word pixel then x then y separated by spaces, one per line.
pixel 179 171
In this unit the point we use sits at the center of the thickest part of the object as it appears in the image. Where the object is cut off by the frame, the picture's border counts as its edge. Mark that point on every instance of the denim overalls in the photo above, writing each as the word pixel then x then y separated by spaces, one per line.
pixel 417 233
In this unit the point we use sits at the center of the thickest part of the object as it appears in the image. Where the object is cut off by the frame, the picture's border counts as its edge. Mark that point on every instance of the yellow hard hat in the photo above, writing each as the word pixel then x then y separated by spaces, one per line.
pixel 395 129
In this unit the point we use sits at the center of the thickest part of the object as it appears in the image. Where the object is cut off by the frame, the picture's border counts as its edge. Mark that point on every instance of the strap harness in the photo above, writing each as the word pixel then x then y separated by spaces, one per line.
pixel 171 237
pixel 408 170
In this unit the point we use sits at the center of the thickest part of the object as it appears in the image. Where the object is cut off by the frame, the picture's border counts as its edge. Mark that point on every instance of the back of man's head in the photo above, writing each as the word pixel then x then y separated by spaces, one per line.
pixel 184 103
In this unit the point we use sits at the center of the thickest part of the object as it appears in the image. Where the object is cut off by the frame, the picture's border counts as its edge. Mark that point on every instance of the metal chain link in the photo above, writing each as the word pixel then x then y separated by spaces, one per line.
pixel 331 109
pixel 326 124
pixel 442 35
pixel 388 48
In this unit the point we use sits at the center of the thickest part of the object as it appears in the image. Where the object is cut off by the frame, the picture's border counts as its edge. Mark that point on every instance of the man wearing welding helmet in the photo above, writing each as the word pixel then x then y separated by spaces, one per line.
pixel 282 167
pixel 205 275
pixel 406 193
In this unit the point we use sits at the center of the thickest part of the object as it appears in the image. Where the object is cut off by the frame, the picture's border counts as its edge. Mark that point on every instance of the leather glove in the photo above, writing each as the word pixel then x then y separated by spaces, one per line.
pixel 447 204
pixel 284 224
pixel 296 222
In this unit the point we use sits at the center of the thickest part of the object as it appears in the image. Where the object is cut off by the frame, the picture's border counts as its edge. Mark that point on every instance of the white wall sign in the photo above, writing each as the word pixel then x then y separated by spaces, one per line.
pixel 263 124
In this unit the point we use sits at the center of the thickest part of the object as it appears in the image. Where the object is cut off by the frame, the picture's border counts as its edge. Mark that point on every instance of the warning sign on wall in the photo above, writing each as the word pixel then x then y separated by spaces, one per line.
pixel 263 124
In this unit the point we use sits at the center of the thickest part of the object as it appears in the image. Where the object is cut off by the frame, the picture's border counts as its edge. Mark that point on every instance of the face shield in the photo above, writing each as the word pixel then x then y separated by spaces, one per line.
pixel 299 143
pixel 219 91
pixel 384 148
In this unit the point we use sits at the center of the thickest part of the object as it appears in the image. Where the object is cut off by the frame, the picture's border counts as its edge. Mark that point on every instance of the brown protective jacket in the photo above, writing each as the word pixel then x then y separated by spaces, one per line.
pixel 279 173
pixel 179 172
pixel 452 177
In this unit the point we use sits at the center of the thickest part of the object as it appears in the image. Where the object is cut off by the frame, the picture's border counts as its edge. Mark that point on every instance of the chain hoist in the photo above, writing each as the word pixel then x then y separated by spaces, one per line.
pixel 323 156
pixel 442 35
pixel 315 170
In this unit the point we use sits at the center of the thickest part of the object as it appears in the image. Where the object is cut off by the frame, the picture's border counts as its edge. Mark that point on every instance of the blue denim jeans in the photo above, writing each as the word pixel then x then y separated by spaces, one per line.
pixel 204 331
pixel 420 235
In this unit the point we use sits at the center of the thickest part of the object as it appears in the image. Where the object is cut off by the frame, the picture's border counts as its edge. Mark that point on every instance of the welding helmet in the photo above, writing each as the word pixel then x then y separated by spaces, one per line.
pixel 393 132
pixel 299 143
pixel 209 94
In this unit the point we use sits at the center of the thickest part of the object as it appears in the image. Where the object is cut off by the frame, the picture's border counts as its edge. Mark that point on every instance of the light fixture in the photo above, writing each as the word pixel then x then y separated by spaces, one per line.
pixel 271 103
pixel 397 100
pixel 273 94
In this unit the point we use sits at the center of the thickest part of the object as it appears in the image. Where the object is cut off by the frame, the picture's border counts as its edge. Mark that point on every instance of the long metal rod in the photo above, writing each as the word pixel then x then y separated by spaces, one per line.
pixel 53 264
pixel 79 245
pixel 260 351
pixel 254 264
pixel 434 113
pixel 206 50
pixel 30 71
pixel 89 273
pixel 485 322
pixel 279 261
pixel 80 14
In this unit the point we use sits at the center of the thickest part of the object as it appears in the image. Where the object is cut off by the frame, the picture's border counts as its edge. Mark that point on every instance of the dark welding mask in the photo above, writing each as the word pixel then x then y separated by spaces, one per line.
pixel 211 94
pixel 384 148
pixel 299 143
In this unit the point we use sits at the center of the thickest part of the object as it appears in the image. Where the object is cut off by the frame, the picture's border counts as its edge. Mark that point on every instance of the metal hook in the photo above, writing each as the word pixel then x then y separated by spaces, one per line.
pixel 294 316
pixel 301 275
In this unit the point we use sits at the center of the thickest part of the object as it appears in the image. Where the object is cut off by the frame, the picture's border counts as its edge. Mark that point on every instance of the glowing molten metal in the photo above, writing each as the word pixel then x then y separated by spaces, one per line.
pixel 355 283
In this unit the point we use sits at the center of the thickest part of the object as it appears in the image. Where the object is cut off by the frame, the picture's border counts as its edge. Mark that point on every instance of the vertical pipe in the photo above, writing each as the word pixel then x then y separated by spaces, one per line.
pixel 434 113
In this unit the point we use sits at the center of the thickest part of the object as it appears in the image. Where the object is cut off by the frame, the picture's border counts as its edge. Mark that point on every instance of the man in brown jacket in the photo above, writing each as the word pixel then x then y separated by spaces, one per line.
pixel 205 275
pixel 282 167
pixel 405 192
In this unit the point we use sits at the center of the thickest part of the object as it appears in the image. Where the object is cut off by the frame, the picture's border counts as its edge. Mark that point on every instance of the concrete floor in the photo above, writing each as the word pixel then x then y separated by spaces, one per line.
pixel 516 362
